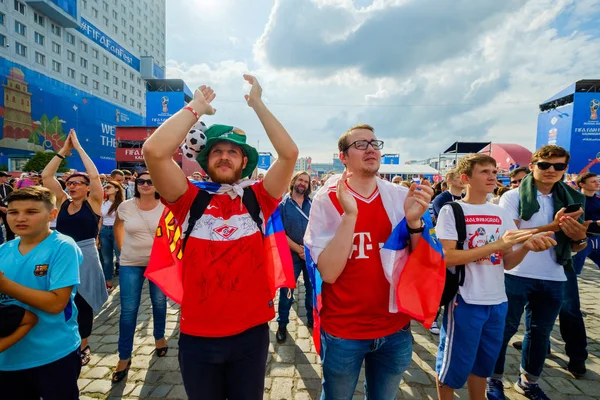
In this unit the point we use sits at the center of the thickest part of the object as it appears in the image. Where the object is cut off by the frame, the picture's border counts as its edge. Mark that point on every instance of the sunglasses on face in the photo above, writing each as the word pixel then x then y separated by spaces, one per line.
pixel 515 182
pixel 141 182
pixel 363 144
pixel 543 165
pixel 75 183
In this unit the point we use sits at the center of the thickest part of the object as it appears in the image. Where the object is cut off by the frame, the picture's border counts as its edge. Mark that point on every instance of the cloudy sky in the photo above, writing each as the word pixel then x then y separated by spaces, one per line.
pixel 424 73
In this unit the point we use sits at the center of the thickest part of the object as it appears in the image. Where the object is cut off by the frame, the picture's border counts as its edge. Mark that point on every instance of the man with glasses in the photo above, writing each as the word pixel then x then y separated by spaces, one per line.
pixel 517 175
pixel 536 285
pixel 351 219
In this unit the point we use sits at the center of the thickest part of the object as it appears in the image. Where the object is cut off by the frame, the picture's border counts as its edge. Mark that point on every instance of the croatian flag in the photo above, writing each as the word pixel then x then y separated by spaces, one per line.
pixel 416 276
pixel 165 266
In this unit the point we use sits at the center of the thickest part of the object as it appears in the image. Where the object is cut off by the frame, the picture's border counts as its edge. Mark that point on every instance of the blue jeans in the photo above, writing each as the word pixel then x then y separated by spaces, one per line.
pixel 131 281
pixel 385 358
pixel 541 301
pixel 572 327
pixel 592 251
pixel 285 303
pixel 108 249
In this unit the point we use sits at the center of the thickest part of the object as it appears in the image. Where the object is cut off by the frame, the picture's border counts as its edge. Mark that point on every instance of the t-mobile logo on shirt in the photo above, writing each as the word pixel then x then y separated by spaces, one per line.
pixel 364 244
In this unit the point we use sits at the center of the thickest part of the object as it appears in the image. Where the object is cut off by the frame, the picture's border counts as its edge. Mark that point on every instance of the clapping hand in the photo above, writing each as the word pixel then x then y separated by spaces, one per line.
pixel 540 242
pixel 203 96
pixel 347 201
pixel 417 203
pixel 253 98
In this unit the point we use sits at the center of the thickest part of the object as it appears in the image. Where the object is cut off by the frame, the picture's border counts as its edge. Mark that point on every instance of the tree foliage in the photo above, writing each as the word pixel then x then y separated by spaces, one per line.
pixel 39 161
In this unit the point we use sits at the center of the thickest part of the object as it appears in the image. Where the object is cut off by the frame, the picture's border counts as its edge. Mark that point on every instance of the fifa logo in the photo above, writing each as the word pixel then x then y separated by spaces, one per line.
pixel 594 105
pixel 165 104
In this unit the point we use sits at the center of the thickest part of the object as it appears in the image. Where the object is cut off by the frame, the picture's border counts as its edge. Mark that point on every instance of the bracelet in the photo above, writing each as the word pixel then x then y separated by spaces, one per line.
pixel 59 156
pixel 418 230
pixel 192 111
pixel 579 242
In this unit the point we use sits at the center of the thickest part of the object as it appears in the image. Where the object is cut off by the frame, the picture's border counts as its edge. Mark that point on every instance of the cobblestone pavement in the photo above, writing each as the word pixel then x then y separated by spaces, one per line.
pixel 294 370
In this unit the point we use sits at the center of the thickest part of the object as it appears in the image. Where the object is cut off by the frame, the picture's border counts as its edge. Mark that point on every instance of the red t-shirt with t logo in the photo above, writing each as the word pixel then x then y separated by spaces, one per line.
pixel 356 306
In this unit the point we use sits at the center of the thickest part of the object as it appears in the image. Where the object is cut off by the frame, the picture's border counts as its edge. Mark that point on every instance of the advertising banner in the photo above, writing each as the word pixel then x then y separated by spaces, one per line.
pixel 161 105
pixel 95 34
pixel 585 139
pixel 37 112
pixel 133 155
pixel 264 161
pixel 554 127
pixel 390 159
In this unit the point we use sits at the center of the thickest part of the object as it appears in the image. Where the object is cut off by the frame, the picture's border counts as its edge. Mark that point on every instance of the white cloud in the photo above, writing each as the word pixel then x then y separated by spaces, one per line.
pixel 422 90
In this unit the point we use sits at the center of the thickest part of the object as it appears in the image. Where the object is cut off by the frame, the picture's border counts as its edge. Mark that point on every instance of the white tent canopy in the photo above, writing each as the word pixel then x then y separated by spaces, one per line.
pixel 407 169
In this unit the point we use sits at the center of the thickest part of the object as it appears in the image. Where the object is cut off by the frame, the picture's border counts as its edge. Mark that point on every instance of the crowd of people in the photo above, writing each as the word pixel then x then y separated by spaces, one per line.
pixel 510 249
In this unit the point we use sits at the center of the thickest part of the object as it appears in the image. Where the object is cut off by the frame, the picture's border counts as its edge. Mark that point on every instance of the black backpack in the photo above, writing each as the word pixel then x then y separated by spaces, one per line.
pixel 454 280
pixel 202 200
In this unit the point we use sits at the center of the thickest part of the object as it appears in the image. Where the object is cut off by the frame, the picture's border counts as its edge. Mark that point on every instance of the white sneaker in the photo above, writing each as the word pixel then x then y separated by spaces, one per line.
pixel 435 330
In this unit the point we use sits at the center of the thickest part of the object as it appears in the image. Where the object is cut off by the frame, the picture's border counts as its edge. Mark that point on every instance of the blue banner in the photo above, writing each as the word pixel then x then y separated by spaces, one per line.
pixel 554 127
pixel 585 140
pixel 264 161
pixel 390 159
pixel 69 6
pixel 158 72
pixel 105 41
pixel 37 112
pixel 161 105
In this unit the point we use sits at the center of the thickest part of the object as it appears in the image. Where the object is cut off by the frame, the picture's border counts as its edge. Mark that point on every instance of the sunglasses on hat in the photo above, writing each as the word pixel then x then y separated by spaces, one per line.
pixel 543 165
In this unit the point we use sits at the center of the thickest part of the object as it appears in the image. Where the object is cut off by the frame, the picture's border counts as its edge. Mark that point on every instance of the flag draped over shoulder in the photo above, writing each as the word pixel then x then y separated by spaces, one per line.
pixel 165 266
pixel 416 276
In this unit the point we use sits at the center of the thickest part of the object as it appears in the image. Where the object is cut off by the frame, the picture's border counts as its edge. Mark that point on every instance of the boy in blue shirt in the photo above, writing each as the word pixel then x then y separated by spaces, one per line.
pixel 39 272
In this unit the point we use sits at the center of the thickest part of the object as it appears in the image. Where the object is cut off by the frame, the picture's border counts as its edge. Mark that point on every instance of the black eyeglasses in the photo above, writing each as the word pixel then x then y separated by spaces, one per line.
pixel 75 183
pixel 543 165
pixel 141 182
pixel 515 182
pixel 363 144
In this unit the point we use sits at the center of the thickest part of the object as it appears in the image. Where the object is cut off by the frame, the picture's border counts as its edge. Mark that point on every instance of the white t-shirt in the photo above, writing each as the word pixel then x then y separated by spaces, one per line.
pixel 108 219
pixel 486 223
pixel 140 227
pixel 540 265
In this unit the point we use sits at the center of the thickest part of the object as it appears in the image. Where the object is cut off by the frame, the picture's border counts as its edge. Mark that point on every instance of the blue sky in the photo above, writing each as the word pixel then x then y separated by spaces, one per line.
pixel 424 73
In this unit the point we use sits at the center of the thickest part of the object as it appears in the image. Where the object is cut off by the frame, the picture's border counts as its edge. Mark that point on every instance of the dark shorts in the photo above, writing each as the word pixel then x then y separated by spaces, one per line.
pixel 54 381
pixel 10 319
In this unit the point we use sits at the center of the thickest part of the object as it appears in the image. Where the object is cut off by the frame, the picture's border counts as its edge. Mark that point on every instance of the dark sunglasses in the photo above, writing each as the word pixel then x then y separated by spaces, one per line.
pixel 141 182
pixel 363 144
pixel 515 182
pixel 543 165
pixel 75 183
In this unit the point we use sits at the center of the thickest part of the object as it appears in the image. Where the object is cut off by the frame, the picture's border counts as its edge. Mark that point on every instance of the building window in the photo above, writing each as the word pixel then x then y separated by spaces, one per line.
pixel 84 4
pixel 40 58
pixel 131 102
pixel 83 62
pixel 124 98
pixel 115 66
pixel 115 80
pixel 84 47
pixel 106 76
pixel 56 67
pixel 115 29
pixel 84 79
pixel 21 49
pixel 125 72
pixel 95 53
pixel 139 93
pixel 105 89
pixel 56 47
pixel 115 16
pixel 70 56
pixel 71 38
pixel 94 12
pixel 139 105
pixel 39 38
pixel 132 89
pixel 1 19
pixel 20 28
pixel 105 20
pixel 124 85
pixel 95 85
pixel 39 19
pixel 2 41
pixel 55 29
pixel 105 6
pixel 20 7
pixel 105 60
pixel 95 69
pixel 71 73
pixel 116 94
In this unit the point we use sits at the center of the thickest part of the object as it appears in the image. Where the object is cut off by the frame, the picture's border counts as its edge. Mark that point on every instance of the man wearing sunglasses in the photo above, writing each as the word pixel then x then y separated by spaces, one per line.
pixel 517 175
pixel 350 220
pixel 537 284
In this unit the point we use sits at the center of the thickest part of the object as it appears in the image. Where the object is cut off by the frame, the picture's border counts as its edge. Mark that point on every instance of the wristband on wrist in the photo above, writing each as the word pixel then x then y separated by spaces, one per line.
pixel 190 109
pixel 579 242
pixel 59 156
pixel 418 230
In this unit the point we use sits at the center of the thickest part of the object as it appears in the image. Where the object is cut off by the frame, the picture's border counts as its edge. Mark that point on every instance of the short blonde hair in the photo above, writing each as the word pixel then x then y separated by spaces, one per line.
pixel 467 163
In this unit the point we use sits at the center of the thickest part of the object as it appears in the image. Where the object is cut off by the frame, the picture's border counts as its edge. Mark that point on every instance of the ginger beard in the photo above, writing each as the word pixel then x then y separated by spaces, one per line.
pixel 225 163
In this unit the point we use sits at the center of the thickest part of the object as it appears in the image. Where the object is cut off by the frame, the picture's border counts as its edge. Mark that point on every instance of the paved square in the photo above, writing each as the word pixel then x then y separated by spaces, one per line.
pixel 294 369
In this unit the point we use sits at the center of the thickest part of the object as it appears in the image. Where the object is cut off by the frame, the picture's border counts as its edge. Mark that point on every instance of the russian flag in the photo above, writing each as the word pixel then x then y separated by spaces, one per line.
pixel 165 266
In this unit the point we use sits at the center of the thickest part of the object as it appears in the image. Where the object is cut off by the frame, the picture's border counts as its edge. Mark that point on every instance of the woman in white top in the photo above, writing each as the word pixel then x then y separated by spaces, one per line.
pixel 113 198
pixel 135 226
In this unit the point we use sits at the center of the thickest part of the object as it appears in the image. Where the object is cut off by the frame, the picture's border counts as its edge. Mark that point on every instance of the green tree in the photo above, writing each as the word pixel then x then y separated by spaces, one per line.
pixel 39 161
pixel 3 168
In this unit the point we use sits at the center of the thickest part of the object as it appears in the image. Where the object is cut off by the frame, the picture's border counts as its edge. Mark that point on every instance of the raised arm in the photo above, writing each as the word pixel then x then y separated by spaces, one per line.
pixel 278 176
pixel 96 191
pixel 167 177
pixel 49 173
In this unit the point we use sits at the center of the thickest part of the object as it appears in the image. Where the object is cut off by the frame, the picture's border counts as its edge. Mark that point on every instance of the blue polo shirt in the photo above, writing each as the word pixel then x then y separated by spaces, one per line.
pixel 51 265
pixel 294 222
